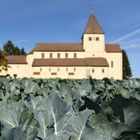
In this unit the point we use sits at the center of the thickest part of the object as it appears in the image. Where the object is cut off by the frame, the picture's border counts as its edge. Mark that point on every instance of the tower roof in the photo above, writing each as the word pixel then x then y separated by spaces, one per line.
pixel 93 27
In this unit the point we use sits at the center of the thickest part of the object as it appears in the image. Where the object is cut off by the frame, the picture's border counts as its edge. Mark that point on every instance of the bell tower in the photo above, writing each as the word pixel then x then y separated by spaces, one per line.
pixel 93 37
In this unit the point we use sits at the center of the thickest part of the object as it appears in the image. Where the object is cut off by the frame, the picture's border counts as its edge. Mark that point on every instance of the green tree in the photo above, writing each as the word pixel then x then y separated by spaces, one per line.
pixel 22 51
pixel 3 60
pixel 17 51
pixel 11 49
pixel 127 72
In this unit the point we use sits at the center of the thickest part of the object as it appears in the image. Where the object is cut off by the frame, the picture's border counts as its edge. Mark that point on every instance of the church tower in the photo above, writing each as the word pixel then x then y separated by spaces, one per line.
pixel 93 37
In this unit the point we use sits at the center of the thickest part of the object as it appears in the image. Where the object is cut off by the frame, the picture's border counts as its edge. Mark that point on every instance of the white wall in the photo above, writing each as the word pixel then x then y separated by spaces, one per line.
pixel 94 46
pixel 19 69
pixel 62 54
pixel 63 72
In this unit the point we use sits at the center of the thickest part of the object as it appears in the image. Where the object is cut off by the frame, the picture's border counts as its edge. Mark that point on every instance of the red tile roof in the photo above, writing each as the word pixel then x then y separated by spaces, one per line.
pixel 62 47
pixel 16 59
pixel 71 47
pixel 113 48
pixel 93 27
pixel 96 62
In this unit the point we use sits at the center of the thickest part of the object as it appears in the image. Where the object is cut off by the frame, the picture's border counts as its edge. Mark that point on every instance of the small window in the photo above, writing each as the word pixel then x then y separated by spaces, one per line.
pixel 49 69
pixel 75 55
pixel 58 55
pixel 42 55
pixel 71 73
pixel 97 38
pixel 7 75
pixel 74 69
pixel 66 55
pixel 112 64
pixel 53 73
pixel 66 69
pixel 51 55
pixel 15 75
pixel 58 69
pixel 92 70
pixel 90 38
pixel 40 69
pixel 103 70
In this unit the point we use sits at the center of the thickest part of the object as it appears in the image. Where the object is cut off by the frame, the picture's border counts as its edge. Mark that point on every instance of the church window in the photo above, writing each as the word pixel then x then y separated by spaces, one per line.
pixel 66 69
pixel 112 64
pixel 58 55
pixel 49 69
pixel 74 69
pixel 97 38
pixel 51 55
pixel 58 69
pixel 66 55
pixel 103 70
pixel 75 55
pixel 42 55
pixel 92 70
pixel 15 75
pixel 90 38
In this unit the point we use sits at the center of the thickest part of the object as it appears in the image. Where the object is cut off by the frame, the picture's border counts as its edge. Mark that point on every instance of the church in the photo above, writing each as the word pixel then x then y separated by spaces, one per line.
pixel 92 57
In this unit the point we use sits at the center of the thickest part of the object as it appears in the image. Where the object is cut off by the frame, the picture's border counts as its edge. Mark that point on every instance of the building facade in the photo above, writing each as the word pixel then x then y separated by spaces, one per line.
pixel 92 57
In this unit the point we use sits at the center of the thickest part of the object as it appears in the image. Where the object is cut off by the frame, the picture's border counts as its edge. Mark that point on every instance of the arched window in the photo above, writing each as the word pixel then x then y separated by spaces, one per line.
pixel 112 64
pixel 58 55
pixel 66 55
pixel 42 55
pixel 51 55
pixel 90 38
pixel 103 70
pixel 97 38
pixel 75 55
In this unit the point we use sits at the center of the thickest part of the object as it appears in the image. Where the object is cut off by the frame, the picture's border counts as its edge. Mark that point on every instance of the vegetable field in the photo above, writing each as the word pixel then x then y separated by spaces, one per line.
pixel 47 109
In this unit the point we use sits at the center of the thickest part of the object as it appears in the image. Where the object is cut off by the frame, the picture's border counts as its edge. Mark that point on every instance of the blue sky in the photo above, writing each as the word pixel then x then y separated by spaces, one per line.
pixel 27 22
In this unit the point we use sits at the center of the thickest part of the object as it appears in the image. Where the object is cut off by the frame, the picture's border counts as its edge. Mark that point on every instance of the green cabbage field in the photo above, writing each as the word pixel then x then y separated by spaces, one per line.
pixel 56 109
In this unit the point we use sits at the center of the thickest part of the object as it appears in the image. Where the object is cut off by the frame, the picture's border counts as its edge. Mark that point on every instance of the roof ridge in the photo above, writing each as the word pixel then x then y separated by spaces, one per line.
pixel 59 43
pixel 112 44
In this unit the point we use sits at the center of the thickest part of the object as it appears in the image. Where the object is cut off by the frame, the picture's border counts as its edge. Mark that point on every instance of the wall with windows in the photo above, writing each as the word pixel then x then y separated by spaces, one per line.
pixel 98 72
pixel 19 70
pixel 59 54
pixel 94 46
pixel 115 65
pixel 94 43
pixel 70 72
pixel 60 72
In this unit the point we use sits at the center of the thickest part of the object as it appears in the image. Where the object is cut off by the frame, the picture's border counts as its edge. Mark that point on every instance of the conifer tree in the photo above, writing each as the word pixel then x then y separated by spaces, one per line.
pixel 11 49
pixel 127 72
pixel 3 61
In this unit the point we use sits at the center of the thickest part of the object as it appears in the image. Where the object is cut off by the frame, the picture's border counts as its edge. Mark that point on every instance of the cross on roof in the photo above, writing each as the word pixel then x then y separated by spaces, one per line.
pixel 91 7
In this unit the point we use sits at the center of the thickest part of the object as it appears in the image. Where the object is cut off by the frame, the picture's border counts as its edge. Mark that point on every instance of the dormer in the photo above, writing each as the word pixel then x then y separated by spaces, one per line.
pixel 93 37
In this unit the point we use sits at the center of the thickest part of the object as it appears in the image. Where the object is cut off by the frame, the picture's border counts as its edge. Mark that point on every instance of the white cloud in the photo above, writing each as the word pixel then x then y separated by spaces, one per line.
pixel 132 46
pixel 137 40
pixel 133 33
